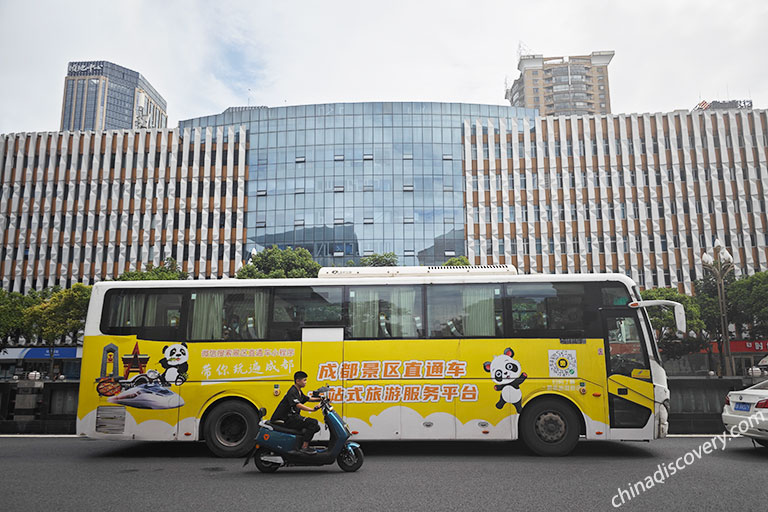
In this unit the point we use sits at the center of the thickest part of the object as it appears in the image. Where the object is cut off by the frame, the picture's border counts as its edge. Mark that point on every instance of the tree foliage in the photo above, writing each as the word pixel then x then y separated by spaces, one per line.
pixel 12 305
pixel 457 261
pixel 274 263
pixel 663 321
pixel 58 314
pixel 388 259
pixel 748 298
pixel 167 270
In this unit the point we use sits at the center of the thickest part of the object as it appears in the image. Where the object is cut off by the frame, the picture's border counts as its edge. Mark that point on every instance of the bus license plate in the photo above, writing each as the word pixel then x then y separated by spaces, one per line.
pixel 741 406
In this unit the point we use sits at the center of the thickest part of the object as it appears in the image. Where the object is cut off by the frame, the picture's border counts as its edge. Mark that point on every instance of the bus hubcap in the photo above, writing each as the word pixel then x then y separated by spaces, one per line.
pixel 550 427
pixel 231 429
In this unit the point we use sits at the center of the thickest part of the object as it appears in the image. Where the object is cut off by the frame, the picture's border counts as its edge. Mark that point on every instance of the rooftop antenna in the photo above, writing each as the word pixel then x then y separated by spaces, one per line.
pixel 249 97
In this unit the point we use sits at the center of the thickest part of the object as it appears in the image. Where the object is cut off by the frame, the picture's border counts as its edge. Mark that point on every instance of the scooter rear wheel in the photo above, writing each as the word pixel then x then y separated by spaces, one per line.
pixel 350 461
pixel 262 465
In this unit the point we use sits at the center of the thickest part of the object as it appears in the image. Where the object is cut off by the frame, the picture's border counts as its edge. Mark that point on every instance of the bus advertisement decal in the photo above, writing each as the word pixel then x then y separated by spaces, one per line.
pixel 507 375
pixel 563 364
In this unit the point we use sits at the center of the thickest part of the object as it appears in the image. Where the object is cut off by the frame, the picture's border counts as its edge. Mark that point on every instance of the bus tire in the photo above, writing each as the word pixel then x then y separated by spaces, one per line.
pixel 230 429
pixel 550 427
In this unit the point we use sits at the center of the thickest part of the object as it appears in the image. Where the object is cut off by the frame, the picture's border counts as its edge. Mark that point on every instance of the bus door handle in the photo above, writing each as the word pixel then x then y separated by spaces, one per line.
pixel 623 391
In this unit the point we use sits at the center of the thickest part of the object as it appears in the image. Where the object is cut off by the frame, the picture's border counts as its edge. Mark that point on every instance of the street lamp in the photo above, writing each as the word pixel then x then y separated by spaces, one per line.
pixel 719 266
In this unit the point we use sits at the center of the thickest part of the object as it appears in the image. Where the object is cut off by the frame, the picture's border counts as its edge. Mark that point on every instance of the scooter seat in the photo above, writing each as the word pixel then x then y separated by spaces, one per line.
pixel 277 427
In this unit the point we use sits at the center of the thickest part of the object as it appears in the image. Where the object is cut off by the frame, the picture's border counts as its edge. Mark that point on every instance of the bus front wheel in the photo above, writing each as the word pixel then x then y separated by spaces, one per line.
pixel 550 427
pixel 230 429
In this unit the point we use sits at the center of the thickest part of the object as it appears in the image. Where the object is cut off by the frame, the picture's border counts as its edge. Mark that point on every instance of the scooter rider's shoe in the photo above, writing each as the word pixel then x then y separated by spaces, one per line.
pixel 307 451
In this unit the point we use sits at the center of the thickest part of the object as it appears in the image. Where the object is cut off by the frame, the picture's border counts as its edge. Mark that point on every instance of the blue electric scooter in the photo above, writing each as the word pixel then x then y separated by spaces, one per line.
pixel 277 446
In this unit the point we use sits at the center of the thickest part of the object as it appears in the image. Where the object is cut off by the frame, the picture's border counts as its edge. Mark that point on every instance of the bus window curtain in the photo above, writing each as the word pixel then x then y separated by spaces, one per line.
pixel 478 310
pixel 208 317
pixel 150 313
pixel 402 317
pixel 129 311
pixel 260 313
pixel 364 313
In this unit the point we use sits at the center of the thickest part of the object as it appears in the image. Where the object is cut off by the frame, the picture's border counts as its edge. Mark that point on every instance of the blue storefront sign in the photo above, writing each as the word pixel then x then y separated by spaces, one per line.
pixel 41 353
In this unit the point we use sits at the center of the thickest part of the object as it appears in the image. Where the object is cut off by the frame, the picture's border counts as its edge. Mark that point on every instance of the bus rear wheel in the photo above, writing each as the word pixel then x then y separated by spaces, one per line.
pixel 550 428
pixel 230 429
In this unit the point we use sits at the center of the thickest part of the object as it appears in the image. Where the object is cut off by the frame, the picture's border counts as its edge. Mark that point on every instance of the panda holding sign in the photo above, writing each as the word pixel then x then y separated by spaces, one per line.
pixel 505 373
pixel 175 364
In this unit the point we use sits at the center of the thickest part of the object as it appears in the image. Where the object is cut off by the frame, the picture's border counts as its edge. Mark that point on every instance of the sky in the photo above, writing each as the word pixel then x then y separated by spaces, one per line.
pixel 206 56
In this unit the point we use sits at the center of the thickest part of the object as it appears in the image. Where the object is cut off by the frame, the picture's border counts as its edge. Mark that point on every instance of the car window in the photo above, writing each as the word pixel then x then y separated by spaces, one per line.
pixel 760 385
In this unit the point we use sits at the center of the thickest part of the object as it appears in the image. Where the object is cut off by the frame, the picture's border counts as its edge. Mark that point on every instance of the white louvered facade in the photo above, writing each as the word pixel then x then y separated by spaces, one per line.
pixel 88 206
pixel 641 194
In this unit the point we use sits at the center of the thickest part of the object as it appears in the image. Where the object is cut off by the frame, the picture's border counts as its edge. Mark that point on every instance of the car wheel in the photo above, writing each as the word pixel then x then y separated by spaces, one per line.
pixel 230 429
pixel 550 428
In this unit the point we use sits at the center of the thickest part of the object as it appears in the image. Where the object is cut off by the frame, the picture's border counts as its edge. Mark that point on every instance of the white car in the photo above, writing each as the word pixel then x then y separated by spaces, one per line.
pixel 746 412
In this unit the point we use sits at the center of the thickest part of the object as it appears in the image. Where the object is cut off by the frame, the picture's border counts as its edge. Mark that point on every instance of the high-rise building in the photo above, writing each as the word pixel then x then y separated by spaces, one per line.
pixel 100 95
pixel 575 85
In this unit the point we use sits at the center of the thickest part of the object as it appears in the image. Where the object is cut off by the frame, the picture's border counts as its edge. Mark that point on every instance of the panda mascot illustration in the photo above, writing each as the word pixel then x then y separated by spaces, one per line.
pixel 174 364
pixel 505 373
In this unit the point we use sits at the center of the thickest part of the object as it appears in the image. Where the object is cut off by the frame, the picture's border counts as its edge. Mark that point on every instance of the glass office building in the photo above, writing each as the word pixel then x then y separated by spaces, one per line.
pixel 346 180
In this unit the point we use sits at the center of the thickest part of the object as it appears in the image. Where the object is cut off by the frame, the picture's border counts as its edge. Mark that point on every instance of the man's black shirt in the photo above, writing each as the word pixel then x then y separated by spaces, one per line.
pixel 287 406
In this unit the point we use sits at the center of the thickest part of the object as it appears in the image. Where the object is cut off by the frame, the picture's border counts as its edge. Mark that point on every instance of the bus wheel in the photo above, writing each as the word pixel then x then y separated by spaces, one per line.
pixel 550 428
pixel 230 429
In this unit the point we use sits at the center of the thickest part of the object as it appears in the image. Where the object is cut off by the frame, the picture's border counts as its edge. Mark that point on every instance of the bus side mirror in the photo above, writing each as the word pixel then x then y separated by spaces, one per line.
pixel 677 308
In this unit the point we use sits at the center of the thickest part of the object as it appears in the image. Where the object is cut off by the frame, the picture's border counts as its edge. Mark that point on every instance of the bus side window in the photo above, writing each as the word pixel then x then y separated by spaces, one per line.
pixel 162 317
pixel 550 310
pixel 385 312
pixel 124 312
pixel 470 310
pixel 305 306
pixel 614 294
pixel 625 345
pixel 223 314
pixel 207 317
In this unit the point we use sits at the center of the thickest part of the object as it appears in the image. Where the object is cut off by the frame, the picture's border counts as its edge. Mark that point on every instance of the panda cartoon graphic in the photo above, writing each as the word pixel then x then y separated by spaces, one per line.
pixel 175 364
pixel 506 375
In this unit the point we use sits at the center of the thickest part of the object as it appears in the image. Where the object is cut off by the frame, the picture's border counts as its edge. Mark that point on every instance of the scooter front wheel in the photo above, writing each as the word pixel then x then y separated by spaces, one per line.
pixel 350 461
pixel 263 465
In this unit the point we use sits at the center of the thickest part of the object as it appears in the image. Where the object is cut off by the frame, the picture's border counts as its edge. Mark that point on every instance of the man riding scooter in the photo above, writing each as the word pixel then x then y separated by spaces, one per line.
pixel 289 411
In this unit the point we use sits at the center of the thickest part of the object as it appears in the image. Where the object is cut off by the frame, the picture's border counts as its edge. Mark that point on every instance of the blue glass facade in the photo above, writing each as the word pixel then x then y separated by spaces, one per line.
pixel 347 180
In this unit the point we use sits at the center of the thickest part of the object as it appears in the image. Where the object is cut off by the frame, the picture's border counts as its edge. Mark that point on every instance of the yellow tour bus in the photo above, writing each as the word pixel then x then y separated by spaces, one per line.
pixel 430 353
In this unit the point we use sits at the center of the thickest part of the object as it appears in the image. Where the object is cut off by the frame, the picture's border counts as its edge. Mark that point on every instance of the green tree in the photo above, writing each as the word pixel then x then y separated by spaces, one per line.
pixel 12 305
pixel 274 263
pixel 388 259
pixel 458 261
pixel 167 270
pixel 60 314
pixel 709 309
pixel 663 321
pixel 748 298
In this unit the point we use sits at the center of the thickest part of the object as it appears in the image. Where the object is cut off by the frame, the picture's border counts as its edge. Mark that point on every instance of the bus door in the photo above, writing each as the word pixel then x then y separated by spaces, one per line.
pixel 322 355
pixel 630 389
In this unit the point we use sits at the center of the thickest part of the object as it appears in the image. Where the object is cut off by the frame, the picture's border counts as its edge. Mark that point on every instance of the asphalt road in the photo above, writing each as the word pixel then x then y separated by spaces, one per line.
pixel 68 474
